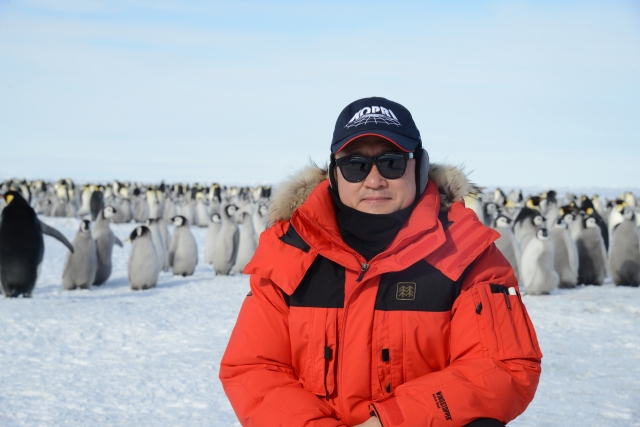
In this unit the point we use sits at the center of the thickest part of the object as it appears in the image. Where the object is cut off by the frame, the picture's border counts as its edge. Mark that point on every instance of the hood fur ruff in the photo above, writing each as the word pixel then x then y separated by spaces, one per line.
pixel 452 182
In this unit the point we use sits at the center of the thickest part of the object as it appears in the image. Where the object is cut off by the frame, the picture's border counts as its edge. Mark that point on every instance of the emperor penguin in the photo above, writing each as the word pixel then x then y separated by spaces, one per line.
pixel 96 204
pixel 247 242
pixel 473 202
pixel 490 212
pixel 592 264
pixel 22 245
pixel 209 243
pixel 158 242
pixel 565 260
pixel 105 239
pixel 183 255
pixel 615 215
pixel 169 210
pixel 624 253
pixel 143 269
pixel 226 246
pixel 260 220
pixel 537 273
pixel 201 212
pixel 85 198
pixel 507 243
pixel 526 225
pixel 80 267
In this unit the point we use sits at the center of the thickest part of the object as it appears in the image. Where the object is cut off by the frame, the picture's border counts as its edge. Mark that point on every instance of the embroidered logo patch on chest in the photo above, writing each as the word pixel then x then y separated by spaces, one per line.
pixel 406 291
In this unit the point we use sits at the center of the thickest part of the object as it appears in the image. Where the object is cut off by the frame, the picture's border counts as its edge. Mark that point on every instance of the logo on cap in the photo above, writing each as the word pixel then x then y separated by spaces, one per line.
pixel 373 114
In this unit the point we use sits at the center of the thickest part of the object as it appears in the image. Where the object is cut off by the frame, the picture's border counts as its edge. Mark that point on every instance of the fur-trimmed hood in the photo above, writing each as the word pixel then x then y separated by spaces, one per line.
pixel 452 183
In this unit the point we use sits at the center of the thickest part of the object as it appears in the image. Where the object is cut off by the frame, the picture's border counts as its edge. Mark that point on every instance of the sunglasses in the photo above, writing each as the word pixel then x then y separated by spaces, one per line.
pixel 356 167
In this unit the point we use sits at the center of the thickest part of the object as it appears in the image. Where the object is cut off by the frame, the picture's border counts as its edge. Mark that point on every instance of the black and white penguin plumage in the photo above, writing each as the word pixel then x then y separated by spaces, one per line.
pixel 22 245
pixel 226 246
pixel 143 268
pixel 183 254
pixel 215 224
pixel 624 253
pixel 96 204
pixel 526 225
pixel 80 267
pixel 592 254
pixel 247 242
pixel 105 239
pixel 537 272
pixel 566 254
pixel 507 243
pixel 158 241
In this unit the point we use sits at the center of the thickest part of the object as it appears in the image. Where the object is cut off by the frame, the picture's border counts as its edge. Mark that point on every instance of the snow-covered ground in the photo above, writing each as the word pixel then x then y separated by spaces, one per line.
pixel 112 356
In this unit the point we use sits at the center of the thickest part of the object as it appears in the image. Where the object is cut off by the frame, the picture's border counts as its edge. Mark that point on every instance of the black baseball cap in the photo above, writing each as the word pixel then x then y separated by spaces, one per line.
pixel 376 116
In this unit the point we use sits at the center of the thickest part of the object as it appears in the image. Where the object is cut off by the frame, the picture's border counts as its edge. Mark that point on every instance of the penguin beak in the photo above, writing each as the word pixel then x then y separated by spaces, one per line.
pixel 9 198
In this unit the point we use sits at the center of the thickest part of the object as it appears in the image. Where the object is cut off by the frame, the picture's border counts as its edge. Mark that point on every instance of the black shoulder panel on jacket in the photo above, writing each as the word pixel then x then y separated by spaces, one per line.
pixel 292 238
pixel 321 286
pixel 421 287
pixel 443 216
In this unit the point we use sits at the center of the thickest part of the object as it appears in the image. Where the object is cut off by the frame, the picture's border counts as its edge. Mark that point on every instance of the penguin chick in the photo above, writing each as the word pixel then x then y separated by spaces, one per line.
pixel 105 239
pixel 183 255
pixel 537 272
pixel 624 253
pixel 22 245
pixel 566 254
pixel 156 236
pixel 526 225
pixel 225 248
pixel 592 254
pixel 507 243
pixel 81 266
pixel 214 227
pixel 260 220
pixel 143 269
pixel 247 242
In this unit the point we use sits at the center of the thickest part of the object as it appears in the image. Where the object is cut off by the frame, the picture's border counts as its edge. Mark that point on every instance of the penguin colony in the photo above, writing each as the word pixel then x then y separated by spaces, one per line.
pixel 563 242
pixel 549 241
pixel 235 216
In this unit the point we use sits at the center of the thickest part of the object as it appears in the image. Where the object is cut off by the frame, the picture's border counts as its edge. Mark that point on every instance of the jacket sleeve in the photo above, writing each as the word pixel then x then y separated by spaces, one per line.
pixel 494 357
pixel 256 369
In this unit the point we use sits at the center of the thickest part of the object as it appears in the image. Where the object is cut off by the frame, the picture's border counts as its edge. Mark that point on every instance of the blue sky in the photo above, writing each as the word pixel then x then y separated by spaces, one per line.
pixel 521 93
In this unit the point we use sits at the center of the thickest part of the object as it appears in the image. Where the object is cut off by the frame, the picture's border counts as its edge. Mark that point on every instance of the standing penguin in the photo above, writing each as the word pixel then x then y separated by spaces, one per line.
pixel 226 247
pixel 507 243
pixel 96 204
pixel 80 266
pixel 105 239
pixel 143 269
pixel 158 241
pixel 565 260
pixel 592 264
pixel 247 242
pixel 526 225
pixel 537 272
pixel 214 227
pixel 260 220
pixel 22 245
pixel 183 255
pixel 624 253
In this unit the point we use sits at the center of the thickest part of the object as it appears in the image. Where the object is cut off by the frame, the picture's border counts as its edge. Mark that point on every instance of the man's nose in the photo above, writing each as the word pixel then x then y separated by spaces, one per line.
pixel 374 179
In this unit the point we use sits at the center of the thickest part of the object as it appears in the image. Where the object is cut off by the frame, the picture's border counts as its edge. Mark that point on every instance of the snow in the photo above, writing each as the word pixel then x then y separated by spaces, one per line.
pixel 112 356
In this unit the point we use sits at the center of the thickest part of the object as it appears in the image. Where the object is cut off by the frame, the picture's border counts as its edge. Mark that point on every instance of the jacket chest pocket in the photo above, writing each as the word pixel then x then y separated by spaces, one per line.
pixel 504 322
pixel 313 333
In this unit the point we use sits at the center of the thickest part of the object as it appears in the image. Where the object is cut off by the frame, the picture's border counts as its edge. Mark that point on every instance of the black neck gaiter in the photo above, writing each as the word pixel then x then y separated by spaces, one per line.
pixel 368 234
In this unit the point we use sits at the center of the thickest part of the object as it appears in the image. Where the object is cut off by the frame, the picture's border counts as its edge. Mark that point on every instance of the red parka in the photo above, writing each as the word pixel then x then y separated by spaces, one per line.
pixel 430 332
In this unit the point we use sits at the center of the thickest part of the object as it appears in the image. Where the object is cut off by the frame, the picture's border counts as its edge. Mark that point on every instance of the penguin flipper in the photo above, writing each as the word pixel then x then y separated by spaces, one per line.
pixel 50 231
pixel 236 243
pixel 117 241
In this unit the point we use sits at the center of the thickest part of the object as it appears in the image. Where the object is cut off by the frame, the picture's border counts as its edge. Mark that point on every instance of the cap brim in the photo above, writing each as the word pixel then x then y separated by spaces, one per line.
pixel 401 141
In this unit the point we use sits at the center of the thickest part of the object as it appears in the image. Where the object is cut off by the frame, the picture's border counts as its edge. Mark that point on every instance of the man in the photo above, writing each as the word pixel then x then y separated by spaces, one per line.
pixel 377 298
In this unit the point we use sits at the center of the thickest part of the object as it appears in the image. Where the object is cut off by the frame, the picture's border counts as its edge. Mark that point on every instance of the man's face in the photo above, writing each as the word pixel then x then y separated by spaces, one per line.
pixel 376 194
